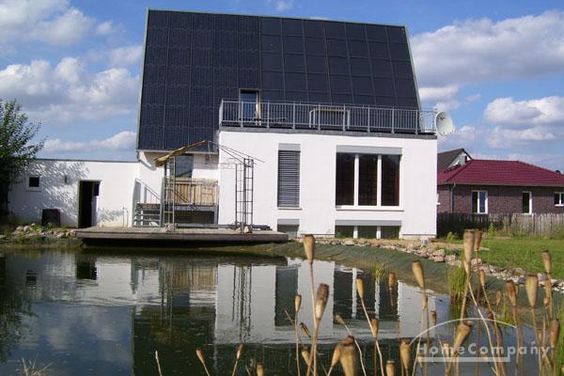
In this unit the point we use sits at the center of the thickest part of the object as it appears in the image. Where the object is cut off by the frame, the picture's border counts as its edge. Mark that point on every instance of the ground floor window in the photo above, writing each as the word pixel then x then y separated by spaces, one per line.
pixel 367 180
pixel 33 182
pixel 291 230
pixel 527 203
pixel 480 202
pixel 559 198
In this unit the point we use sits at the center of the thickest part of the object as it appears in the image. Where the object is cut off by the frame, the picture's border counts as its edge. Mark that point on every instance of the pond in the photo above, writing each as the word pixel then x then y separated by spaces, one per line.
pixel 99 313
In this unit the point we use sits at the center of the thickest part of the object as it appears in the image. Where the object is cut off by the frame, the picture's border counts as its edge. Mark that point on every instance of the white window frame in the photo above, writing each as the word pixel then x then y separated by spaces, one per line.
pixel 33 189
pixel 478 202
pixel 530 201
pixel 561 199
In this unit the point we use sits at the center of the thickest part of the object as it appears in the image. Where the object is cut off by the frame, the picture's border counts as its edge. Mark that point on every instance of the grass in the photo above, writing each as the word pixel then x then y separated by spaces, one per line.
pixel 524 253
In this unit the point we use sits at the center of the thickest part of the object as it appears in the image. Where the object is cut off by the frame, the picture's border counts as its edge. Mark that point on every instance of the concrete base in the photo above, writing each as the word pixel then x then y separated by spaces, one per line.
pixel 181 236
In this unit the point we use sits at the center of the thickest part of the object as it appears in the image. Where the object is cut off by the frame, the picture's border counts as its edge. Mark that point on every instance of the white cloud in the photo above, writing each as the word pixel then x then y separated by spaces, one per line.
pixel 482 50
pixel 65 92
pixel 437 93
pixel 505 138
pixel 282 5
pixel 54 22
pixel 105 28
pixel 126 56
pixel 543 111
pixel 461 137
pixel 122 141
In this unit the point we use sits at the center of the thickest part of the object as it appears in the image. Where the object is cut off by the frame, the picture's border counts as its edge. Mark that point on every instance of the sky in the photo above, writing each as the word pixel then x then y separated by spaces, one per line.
pixel 496 66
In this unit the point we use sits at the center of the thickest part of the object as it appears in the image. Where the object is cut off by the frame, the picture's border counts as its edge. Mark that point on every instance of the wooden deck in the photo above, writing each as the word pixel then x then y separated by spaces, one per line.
pixel 151 237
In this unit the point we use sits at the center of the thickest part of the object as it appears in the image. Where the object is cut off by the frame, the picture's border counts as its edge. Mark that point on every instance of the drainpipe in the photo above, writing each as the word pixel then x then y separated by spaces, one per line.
pixel 452 197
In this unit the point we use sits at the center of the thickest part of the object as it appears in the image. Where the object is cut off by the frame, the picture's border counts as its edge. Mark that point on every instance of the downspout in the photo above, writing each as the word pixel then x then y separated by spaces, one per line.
pixel 452 197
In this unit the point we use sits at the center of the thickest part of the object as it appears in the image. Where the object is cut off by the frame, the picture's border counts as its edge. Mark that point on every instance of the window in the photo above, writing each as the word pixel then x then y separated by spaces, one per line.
pixel 288 178
pixel 527 200
pixel 33 182
pixel 367 180
pixel 559 198
pixel 250 106
pixel 480 202
pixel 183 166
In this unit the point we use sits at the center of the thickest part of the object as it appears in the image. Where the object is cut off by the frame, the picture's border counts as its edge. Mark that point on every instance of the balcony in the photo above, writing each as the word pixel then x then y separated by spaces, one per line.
pixel 323 117
pixel 191 192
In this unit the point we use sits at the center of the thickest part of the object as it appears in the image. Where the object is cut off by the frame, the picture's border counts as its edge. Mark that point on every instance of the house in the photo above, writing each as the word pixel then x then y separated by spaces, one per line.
pixel 500 187
pixel 452 158
pixel 304 126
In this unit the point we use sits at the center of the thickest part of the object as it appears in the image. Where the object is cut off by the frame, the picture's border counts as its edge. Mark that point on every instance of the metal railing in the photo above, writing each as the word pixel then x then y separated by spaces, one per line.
pixel 291 115
pixel 198 192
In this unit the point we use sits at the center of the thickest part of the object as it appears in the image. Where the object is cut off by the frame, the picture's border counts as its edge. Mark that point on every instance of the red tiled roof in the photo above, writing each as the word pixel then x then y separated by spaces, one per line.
pixel 493 172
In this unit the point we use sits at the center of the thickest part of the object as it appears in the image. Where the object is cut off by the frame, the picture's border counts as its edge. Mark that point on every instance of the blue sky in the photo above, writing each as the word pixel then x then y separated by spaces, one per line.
pixel 496 66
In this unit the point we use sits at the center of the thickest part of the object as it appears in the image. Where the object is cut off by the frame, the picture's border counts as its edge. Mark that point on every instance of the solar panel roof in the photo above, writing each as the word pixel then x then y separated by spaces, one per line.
pixel 194 60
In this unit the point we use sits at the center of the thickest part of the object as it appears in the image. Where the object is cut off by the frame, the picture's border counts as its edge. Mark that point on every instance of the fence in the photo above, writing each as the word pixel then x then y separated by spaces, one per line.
pixel 517 224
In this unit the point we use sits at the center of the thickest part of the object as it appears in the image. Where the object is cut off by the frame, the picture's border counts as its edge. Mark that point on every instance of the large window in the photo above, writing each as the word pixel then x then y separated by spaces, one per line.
pixel 289 178
pixel 527 203
pixel 183 166
pixel 480 202
pixel 559 198
pixel 367 180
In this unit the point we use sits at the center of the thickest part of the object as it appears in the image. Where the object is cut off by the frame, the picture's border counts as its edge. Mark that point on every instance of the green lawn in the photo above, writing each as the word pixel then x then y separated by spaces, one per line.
pixel 524 253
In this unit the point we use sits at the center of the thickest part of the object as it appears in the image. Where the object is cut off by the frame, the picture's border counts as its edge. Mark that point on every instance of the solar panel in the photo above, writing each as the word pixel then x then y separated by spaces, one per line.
pixel 194 60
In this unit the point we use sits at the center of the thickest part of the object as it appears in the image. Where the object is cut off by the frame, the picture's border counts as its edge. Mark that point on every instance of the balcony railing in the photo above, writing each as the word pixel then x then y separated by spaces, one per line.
pixel 325 117
pixel 187 191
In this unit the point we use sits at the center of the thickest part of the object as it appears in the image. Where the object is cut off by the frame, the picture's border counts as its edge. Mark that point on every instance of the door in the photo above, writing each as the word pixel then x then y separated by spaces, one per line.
pixel 88 192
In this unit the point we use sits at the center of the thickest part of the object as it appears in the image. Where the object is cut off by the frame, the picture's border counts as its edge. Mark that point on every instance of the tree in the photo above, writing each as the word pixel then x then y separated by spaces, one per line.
pixel 17 149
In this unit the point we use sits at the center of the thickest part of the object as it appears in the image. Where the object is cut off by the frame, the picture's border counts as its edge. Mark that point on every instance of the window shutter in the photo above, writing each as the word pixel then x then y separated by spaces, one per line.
pixel 288 178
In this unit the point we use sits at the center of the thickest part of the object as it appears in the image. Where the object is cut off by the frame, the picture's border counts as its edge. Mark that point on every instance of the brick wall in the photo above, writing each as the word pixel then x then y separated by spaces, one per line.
pixel 502 200
pixel 444 199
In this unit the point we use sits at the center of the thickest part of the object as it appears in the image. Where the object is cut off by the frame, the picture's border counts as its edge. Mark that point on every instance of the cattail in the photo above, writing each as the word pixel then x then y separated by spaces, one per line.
pixel 260 369
pixel 433 318
pixel 374 327
pixel 297 303
pixel 305 355
pixel 511 292
pixel 498 297
pixel 462 331
pixel 482 278
pixel 405 354
pixel 477 240
pixel 390 368
pixel 336 355
pixel 360 287
pixel 348 356
pixel 240 351
pixel 531 284
pixel 468 249
pixel 200 355
pixel 548 289
pixel 417 270
pixel 554 332
pixel 309 247
pixel 547 261
pixel 321 300
pixel 305 330
pixel 446 350
pixel 392 280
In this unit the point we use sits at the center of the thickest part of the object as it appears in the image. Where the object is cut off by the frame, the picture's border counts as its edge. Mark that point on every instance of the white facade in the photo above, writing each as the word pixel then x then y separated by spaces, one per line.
pixel 317 212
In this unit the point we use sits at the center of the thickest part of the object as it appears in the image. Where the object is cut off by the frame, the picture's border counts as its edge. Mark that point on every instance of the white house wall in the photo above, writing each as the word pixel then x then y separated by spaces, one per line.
pixel 317 213
pixel 114 203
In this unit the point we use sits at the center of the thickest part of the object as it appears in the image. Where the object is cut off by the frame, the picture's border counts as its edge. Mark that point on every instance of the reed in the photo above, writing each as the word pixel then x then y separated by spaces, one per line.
pixel 309 250
pixel 158 363
pixel 390 368
pixel 260 369
pixel 335 358
pixel 339 320
pixel 405 356
pixel 297 306
pixel 360 291
pixel 202 359
pixel 238 355
pixel 319 308
pixel 348 357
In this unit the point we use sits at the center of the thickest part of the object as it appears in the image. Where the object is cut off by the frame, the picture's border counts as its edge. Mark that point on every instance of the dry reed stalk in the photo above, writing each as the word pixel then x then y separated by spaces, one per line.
pixel 360 291
pixel 348 356
pixel 319 308
pixel 238 355
pixel 374 329
pixel 306 356
pixel 260 369
pixel 335 358
pixel 390 368
pixel 305 330
pixel 392 280
pixel 309 250
pixel 469 244
pixel 477 241
pixel 433 318
pixel 309 247
pixel 547 261
pixel 531 286
pixel 339 320
pixel 418 273
pixel 405 356
pixel 158 363
pixel 511 291
pixel 297 306
pixel 202 359
pixel 554 333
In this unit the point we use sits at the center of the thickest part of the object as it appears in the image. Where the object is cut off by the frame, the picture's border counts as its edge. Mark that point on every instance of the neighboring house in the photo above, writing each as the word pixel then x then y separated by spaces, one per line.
pixel 451 158
pixel 500 187
pixel 312 126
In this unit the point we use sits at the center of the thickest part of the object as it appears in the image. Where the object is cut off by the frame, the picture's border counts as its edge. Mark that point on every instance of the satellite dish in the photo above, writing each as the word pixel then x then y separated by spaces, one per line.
pixel 444 124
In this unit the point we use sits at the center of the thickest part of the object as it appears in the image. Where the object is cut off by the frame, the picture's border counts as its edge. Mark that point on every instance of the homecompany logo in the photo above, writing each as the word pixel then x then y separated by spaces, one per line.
pixel 487 348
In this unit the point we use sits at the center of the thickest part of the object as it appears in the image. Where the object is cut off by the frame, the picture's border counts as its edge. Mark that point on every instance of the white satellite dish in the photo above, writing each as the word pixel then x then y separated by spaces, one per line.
pixel 444 124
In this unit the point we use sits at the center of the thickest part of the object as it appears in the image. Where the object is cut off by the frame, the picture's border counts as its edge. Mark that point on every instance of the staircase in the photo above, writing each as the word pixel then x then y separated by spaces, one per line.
pixel 147 215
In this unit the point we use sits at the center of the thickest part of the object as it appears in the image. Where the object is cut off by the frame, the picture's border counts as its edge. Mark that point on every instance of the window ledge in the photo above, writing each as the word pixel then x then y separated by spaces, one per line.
pixel 289 208
pixel 33 189
pixel 369 208
pixel 559 205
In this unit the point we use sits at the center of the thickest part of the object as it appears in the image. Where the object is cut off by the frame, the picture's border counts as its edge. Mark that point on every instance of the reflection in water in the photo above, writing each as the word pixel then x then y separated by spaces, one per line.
pixel 100 314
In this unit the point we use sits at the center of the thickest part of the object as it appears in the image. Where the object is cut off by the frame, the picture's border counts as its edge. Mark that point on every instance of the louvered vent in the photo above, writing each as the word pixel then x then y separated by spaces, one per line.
pixel 288 178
